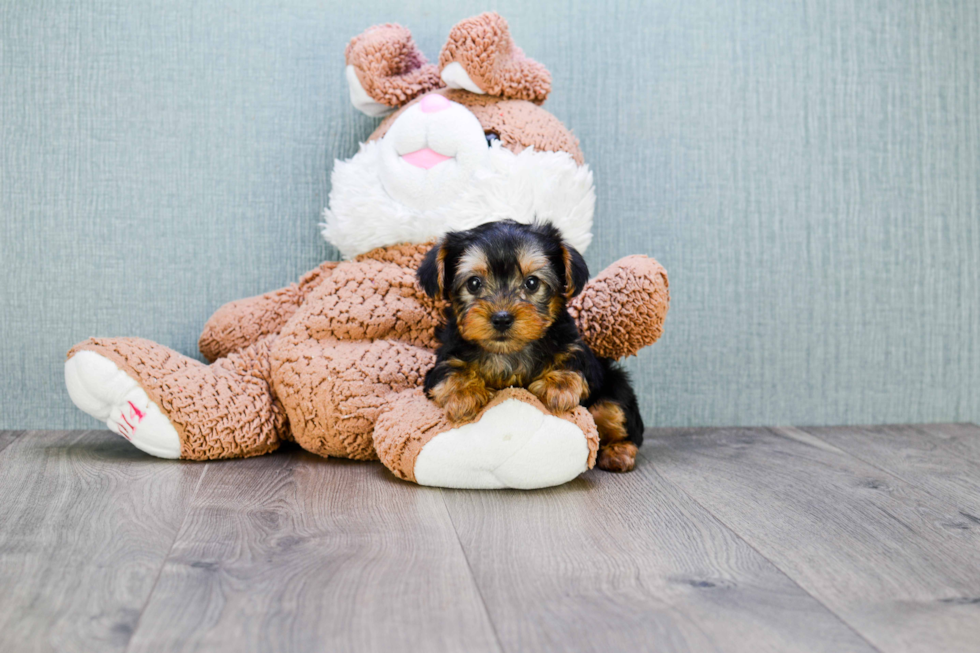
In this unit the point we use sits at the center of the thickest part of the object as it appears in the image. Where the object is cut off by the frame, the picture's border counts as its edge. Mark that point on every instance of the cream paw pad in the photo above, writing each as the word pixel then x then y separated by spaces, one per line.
pixel 98 387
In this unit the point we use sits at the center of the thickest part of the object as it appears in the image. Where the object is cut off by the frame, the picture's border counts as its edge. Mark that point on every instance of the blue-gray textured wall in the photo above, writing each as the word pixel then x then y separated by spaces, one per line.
pixel 808 172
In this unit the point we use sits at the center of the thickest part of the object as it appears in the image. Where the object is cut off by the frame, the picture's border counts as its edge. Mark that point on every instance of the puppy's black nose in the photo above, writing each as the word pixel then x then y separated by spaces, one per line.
pixel 501 320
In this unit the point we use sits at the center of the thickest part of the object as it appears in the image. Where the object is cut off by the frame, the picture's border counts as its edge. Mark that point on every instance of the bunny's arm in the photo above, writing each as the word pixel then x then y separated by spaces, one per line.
pixel 240 323
pixel 622 309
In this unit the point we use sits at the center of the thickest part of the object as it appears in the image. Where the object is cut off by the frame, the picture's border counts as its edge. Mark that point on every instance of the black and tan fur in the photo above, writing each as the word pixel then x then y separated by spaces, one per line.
pixel 507 286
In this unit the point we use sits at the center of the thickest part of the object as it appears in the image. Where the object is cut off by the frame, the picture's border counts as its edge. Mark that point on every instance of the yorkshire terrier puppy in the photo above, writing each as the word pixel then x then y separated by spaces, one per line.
pixel 507 285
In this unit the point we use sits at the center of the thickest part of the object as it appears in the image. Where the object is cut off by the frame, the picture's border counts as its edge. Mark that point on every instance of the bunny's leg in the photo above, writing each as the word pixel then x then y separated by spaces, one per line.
pixel 172 406
pixel 513 442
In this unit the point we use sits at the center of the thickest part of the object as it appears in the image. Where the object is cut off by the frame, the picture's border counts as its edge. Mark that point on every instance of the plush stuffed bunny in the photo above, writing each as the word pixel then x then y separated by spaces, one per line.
pixel 335 362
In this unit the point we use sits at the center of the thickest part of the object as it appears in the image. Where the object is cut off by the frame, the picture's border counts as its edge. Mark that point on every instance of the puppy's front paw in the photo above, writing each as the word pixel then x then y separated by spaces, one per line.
pixel 617 457
pixel 462 395
pixel 560 390
pixel 464 407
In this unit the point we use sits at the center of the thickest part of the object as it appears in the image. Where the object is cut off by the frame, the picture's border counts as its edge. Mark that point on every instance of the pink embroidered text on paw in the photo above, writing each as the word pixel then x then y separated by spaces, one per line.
pixel 136 415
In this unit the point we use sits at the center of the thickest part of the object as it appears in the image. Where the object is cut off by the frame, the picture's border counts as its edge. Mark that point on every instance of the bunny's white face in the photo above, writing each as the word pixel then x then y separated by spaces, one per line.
pixel 436 169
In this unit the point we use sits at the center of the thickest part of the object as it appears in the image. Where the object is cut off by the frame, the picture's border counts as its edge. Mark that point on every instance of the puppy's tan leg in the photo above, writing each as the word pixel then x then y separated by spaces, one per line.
pixel 560 390
pixel 462 393
pixel 616 452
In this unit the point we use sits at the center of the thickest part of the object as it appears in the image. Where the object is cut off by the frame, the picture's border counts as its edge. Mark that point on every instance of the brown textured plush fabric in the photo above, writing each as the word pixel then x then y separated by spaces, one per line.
pixel 365 332
pixel 412 420
pixel 407 425
pixel 622 310
pixel 519 124
pixel 389 66
pixel 240 323
pixel 482 45
pixel 334 389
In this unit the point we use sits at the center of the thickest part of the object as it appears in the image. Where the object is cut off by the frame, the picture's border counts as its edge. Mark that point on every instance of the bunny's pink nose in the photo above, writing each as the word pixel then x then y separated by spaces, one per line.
pixel 433 102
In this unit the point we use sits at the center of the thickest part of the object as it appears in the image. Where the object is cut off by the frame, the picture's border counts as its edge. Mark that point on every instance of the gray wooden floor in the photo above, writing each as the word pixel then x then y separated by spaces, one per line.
pixel 783 539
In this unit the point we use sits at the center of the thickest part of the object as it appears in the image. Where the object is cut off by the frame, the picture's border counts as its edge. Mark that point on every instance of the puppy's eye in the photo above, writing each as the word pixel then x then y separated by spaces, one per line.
pixel 531 284
pixel 491 136
pixel 473 284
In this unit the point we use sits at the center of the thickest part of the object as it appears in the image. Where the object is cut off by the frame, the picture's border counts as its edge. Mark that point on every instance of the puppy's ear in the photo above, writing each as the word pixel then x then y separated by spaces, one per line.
pixel 432 271
pixel 576 271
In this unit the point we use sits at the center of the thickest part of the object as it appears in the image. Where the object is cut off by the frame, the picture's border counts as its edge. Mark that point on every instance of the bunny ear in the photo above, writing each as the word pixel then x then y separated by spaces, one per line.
pixel 385 70
pixel 481 57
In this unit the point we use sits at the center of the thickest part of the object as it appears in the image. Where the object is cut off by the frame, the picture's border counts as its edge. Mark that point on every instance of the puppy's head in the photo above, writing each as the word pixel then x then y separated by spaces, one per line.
pixel 507 282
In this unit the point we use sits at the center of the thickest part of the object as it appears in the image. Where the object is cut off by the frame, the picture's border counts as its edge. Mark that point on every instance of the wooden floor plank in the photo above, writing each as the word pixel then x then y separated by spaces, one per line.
pixel 890 559
pixel 86 522
pixel 627 562
pixel 942 459
pixel 7 437
pixel 292 552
